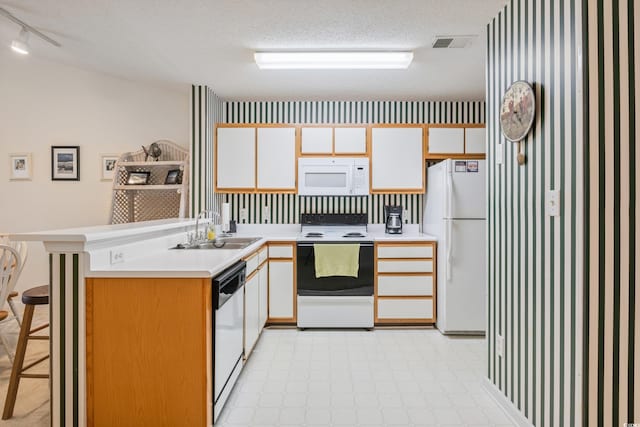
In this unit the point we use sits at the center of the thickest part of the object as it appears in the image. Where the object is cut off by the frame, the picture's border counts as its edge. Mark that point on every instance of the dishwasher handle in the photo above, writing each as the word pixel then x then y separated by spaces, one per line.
pixel 228 282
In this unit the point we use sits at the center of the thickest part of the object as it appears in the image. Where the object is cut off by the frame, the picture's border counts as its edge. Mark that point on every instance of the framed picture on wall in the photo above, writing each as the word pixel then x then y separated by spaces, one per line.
pixel 20 166
pixel 108 166
pixel 65 163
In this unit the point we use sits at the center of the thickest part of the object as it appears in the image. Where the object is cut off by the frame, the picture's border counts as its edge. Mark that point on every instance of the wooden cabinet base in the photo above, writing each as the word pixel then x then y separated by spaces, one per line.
pixel 148 352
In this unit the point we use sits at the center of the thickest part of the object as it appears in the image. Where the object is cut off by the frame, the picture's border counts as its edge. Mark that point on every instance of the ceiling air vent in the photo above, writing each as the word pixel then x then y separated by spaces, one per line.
pixel 452 42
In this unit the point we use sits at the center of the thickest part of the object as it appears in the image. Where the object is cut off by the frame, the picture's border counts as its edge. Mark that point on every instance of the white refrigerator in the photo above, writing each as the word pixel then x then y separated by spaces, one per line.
pixel 455 212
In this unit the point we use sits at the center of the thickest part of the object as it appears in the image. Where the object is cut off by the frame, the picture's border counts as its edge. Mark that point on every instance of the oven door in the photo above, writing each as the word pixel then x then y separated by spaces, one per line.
pixel 309 285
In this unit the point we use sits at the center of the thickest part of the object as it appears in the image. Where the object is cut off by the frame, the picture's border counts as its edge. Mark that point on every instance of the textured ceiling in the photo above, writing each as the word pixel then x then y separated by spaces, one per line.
pixel 212 42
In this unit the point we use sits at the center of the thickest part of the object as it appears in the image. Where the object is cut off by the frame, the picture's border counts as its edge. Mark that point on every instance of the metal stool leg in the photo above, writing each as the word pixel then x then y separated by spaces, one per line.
pixel 18 361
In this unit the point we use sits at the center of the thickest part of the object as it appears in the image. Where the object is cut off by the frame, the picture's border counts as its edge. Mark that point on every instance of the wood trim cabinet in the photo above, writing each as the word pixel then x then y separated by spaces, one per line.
pixel 282 283
pixel 255 158
pixel 405 283
pixel 148 339
pixel 444 141
pixel 333 140
pixel 397 159
pixel 255 298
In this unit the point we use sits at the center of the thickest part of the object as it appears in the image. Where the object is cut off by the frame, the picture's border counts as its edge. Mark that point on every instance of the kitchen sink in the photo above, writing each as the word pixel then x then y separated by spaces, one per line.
pixel 221 243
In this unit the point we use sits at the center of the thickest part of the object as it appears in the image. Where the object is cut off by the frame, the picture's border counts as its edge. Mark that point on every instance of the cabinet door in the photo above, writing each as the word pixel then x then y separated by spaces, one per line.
pixel 276 158
pixel 475 140
pixel 317 140
pixel 350 140
pixel 236 158
pixel 251 313
pixel 263 272
pixel 397 160
pixel 281 290
pixel 446 141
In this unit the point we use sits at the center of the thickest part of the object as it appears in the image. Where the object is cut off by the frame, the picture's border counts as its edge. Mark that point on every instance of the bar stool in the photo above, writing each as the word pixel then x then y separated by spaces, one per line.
pixel 32 297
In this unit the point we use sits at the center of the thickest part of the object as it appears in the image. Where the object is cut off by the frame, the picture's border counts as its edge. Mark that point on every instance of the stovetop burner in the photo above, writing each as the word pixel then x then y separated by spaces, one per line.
pixel 314 234
pixel 353 234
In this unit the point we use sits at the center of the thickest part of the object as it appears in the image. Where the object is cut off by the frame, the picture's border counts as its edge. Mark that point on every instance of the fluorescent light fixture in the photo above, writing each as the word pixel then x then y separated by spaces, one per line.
pixel 21 44
pixel 340 60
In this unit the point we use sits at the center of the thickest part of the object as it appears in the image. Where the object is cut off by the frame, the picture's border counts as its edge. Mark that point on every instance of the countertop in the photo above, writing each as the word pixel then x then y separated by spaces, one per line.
pixel 144 247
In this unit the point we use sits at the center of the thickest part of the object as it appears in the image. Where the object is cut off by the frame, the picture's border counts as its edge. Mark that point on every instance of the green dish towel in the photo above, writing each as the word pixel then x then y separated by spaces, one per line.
pixel 337 260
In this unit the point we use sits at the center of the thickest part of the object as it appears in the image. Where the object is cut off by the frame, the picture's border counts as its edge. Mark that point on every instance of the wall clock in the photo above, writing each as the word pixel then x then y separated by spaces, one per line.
pixel 517 111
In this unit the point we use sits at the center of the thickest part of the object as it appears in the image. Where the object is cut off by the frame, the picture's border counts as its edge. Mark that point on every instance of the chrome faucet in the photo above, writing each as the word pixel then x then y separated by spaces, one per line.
pixel 214 215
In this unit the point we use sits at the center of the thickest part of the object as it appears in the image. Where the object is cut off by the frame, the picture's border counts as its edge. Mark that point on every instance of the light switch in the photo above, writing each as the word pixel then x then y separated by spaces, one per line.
pixel 266 214
pixel 553 202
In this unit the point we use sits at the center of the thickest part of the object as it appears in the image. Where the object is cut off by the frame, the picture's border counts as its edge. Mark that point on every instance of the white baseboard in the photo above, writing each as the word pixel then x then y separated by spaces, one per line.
pixel 505 404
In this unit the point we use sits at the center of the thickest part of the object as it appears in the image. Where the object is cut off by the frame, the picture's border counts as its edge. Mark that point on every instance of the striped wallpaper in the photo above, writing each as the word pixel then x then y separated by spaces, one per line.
pixel 355 112
pixel 286 209
pixel 206 110
pixel 612 362
pixel 535 262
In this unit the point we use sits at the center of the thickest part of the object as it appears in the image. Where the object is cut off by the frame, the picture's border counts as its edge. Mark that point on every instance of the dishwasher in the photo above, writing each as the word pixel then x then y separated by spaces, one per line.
pixel 228 316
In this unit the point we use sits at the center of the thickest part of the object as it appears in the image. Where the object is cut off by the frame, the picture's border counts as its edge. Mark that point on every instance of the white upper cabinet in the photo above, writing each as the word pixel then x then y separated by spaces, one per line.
pixel 350 140
pixel 317 140
pixel 445 140
pixel 475 140
pixel 276 158
pixel 397 159
pixel 236 157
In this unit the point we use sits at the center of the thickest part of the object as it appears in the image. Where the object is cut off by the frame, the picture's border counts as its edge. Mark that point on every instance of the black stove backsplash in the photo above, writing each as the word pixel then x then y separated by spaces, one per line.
pixel 286 208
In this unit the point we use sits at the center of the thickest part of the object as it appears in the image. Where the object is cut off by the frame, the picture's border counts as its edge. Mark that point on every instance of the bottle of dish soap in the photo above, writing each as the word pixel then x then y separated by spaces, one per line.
pixel 211 231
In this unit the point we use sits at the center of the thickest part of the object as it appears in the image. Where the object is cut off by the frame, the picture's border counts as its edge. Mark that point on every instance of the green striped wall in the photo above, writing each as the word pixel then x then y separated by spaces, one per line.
pixel 286 209
pixel 535 262
pixel 67 367
pixel 612 362
pixel 355 112
pixel 206 110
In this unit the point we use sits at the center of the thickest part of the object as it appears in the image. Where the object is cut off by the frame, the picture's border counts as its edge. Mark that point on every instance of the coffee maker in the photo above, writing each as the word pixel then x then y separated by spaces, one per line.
pixel 393 219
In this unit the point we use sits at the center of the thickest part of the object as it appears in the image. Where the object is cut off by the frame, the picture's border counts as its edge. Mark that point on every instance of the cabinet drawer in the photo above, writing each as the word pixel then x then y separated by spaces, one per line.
pixel 424 266
pixel 405 308
pixel 405 251
pixel 252 263
pixel 263 254
pixel 405 285
pixel 280 251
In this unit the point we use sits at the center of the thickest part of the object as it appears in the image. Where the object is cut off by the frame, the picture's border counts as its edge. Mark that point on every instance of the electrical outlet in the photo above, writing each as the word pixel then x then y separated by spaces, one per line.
pixel 500 346
pixel 266 214
pixel 405 215
pixel 553 202
pixel 116 256
pixel 499 153
pixel 243 216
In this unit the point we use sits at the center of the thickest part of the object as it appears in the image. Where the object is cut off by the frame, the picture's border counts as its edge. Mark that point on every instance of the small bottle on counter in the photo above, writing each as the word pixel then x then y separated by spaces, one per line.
pixel 211 231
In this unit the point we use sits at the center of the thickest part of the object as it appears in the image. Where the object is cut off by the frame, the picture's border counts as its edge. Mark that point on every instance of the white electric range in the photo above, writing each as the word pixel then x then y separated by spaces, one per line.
pixel 334 301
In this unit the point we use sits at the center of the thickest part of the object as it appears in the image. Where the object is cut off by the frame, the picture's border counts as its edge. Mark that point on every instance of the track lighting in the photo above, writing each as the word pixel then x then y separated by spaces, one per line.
pixel 21 44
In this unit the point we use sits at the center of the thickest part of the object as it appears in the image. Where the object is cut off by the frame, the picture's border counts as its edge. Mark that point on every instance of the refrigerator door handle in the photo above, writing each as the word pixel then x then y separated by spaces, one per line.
pixel 449 236
pixel 449 195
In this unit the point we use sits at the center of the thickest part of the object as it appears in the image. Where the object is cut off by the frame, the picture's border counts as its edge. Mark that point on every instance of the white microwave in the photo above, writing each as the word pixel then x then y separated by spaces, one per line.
pixel 333 176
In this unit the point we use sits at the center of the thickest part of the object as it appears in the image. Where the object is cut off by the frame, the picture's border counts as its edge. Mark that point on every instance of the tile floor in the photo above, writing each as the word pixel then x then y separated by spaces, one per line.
pixel 390 377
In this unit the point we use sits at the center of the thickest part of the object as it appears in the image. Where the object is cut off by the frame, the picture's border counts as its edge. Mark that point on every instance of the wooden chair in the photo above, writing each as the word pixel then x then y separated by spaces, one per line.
pixel 21 247
pixel 10 268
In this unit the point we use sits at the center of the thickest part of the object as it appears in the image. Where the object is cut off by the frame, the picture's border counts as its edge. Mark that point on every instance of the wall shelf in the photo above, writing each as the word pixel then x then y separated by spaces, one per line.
pixel 154 200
